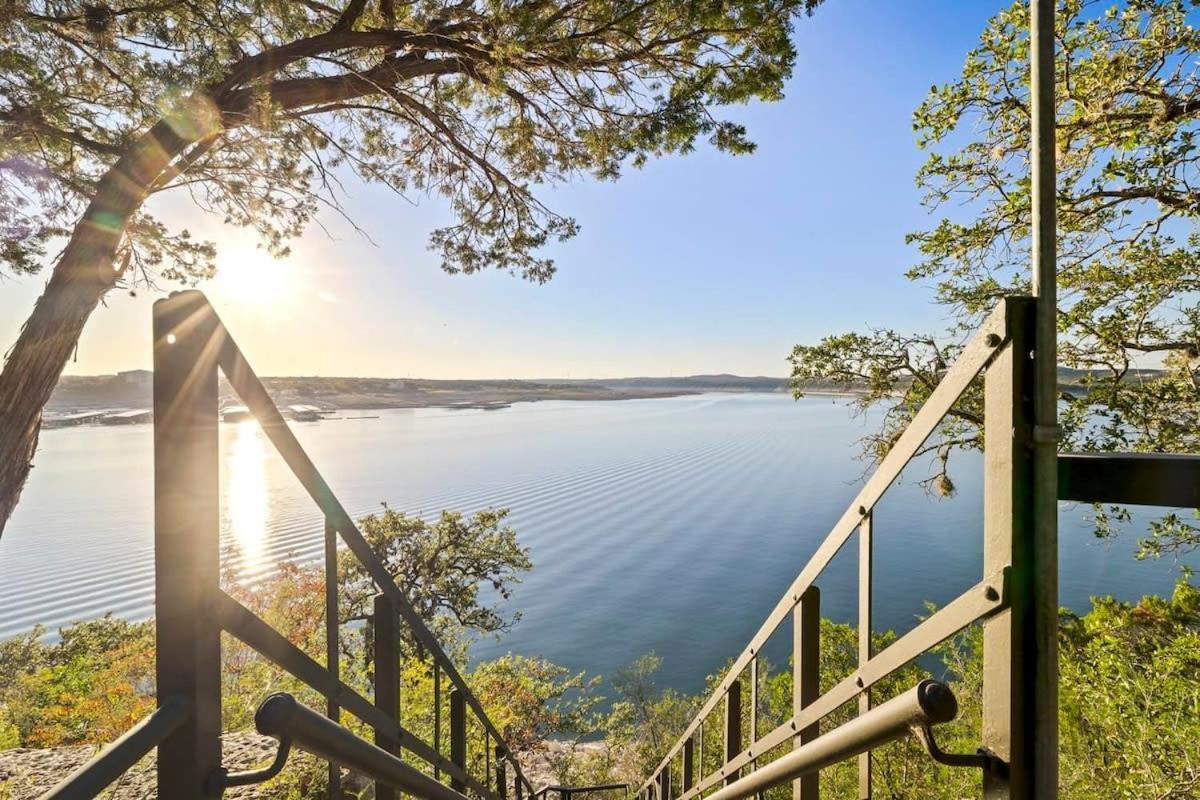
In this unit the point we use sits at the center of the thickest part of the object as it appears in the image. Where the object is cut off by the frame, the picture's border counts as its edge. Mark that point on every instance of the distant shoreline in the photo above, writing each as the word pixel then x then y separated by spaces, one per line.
pixel 126 398
pixel 108 415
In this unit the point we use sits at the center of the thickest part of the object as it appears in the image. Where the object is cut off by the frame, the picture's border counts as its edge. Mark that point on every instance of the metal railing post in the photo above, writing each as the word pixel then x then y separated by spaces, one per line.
pixel 501 777
pixel 865 563
pixel 1009 702
pixel 387 679
pixel 806 679
pixel 733 727
pixel 664 784
pixel 332 660
pixel 689 763
pixel 1042 693
pixel 458 736
pixel 187 341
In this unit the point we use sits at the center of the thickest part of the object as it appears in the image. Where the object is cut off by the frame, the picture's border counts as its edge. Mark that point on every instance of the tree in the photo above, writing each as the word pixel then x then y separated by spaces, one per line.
pixel 1129 229
pixel 441 567
pixel 257 109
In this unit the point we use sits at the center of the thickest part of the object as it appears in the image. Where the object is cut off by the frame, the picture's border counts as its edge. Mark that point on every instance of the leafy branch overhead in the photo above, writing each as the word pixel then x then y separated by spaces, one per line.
pixel 261 108
pixel 1129 229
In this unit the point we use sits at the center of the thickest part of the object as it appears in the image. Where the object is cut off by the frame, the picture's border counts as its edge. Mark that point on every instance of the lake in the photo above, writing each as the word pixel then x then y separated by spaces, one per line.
pixel 670 525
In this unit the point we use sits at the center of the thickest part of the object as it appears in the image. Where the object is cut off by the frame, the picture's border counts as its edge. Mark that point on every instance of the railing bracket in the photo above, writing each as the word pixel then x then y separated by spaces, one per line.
pixel 981 759
pixel 221 779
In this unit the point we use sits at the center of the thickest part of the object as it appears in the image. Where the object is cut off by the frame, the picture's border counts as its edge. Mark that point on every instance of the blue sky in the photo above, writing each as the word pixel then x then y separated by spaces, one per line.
pixel 704 263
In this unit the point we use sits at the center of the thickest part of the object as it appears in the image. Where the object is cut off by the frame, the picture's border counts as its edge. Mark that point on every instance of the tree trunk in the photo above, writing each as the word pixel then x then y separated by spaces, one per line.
pixel 82 276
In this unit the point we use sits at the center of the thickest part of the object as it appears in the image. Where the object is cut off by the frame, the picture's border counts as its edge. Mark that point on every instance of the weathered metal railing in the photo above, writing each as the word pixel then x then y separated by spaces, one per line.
pixel 1008 598
pixel 292 723
pixel 191 346
pixel 567 792
pixel 118 757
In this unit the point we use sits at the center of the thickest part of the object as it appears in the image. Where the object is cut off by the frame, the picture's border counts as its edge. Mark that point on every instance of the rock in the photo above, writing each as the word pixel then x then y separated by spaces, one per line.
pixel 27 774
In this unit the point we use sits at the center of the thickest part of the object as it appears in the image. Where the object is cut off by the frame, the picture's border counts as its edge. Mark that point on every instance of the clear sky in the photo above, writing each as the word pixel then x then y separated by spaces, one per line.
pixel 705 263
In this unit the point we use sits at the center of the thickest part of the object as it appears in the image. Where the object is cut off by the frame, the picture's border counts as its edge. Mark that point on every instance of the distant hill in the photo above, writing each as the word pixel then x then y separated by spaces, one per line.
pixel 133 389
pixel 702 383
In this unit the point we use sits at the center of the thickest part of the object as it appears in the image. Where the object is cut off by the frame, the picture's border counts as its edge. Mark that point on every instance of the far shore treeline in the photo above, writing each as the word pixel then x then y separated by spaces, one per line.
pixel 133 389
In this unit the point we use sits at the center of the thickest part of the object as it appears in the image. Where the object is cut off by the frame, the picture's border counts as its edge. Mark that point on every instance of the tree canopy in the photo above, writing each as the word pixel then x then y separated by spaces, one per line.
pixel 476 101
pixel 259 109
pixel 1128 105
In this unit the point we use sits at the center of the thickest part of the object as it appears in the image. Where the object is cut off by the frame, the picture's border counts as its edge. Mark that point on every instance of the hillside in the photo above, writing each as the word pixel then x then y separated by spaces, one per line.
pixel 133 390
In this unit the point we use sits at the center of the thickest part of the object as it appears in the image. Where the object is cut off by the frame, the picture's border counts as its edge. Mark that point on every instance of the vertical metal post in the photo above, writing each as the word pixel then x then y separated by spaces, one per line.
pixel 1044 599
pixel 754 713
pixel 1010 711
pixel 664 783
pixel 437 717
pixel 865 557
pixel 753 700
pixel 806 678
pixel 387 679
pixel 458 736
pixel 733 727
pixel 187 340
pixel 689 763
pixel 501 778
pixel 332 662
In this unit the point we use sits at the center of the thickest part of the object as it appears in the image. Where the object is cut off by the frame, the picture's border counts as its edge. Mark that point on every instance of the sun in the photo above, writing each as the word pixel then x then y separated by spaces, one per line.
pixel 251 275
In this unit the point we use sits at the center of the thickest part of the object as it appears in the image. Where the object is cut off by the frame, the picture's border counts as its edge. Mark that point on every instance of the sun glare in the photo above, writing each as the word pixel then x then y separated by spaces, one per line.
pixel 250 275
pixel 247 499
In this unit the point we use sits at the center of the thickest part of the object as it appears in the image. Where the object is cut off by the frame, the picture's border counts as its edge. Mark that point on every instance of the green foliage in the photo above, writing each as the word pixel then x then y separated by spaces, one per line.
pixel 267 104
pixel 441 566
pixel 1130 702
pixel 1129 712
pixel 91 685
pixel 1128 234
pixel 98 677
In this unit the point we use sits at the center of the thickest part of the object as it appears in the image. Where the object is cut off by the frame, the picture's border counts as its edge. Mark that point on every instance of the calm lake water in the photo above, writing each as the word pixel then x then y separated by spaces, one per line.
pixel 668 525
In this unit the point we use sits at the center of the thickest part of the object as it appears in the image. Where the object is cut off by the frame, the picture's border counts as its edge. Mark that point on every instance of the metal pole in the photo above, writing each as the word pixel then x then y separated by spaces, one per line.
pixel 437 717
pixel 865 563
pixel 1044 725
pixel 458 736
pixel 331 643
pixel 733 726
pixel 927 703
pixel 284 718
pixel 1010 713
pixel 387 679
pixel 806 679
pixel 689 763
pixel 187 341
pixel 501 778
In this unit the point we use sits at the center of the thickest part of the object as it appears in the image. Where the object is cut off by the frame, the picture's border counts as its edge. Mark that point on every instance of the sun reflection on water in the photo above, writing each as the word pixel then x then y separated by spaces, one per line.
pixel 247 493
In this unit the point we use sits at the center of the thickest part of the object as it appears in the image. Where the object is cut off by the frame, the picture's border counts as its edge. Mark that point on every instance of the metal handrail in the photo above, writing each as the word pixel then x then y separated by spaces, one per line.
pixel 253 393
pixel 566 792
pixel 189 317
pixel 286 719
pixel 930 702
pixel 991 338
pixel 121 754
